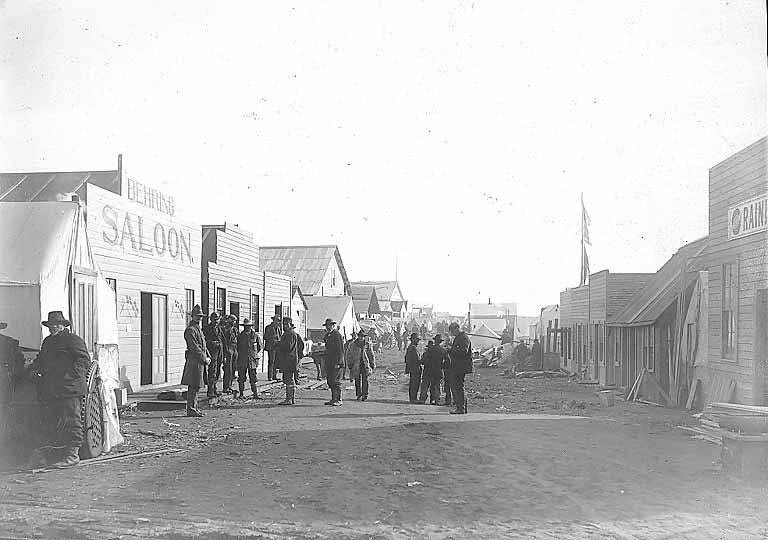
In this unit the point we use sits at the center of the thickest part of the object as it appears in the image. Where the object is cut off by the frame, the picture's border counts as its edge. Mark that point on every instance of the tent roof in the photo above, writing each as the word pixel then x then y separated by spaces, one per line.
pixel 306 265
pixel 50 186
pixel 648 304
pixel 320 308
pixel 483 330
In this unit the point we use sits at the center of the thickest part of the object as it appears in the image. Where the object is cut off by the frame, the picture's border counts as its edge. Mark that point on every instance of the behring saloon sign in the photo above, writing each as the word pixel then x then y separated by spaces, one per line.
pixel 748 217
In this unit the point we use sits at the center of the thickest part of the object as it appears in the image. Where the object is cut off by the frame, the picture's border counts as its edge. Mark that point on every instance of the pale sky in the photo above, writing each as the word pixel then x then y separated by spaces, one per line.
pixel 453 136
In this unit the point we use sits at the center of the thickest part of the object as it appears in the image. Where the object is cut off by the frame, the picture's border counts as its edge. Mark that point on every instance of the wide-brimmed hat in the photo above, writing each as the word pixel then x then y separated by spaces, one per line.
pixel 214 315
pixel 438 338
pixel 287 320
pixel 246 322
pixel 329 322
pixel 415 337
pixel 55 317
pixel 275 317
pixel 197 311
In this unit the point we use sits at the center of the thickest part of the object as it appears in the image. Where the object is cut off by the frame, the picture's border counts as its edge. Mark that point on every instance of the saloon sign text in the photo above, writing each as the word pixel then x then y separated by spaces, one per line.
pixel 748 217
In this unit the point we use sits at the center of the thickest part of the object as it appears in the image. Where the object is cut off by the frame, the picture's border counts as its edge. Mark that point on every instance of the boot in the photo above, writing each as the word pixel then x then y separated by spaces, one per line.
pixel 241 389
pixel 293 395
pixel 70 459
pixel 194 413
pixel 255 390
pixel 333 398
pixel 289 391
pixel 336 401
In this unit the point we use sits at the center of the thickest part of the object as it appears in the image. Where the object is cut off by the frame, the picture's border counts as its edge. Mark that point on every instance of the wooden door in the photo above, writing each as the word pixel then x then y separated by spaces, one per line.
pixel 154 338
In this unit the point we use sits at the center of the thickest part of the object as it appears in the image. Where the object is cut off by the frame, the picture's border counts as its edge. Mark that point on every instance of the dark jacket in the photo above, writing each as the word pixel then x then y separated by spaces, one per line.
pixel 334 349
pixel 63 363
pixel 213 338
pixel 434 358
pixel 461 354
pixel 272 335
pixel 229 340
pixel 249 347
pixel 196 356
pixel 412 359
pixel 360 358
pixel 288 352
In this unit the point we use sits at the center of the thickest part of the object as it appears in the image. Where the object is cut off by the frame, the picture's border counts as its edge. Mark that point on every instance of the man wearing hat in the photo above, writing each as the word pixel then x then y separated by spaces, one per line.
pixel 11 364
pixel 288 360
pixel 213 340
pixel 196 359
pixel 229 333
pixel 461 364
pixel 272 334
pixel 434 358
pixel 413 368
pixel 249 347
pixel 361 361
pixel 334 361
pixel 60 370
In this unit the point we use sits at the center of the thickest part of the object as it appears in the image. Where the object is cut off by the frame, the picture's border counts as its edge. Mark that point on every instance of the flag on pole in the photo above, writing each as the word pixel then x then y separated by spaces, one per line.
pixel 585 223
pixel 584 265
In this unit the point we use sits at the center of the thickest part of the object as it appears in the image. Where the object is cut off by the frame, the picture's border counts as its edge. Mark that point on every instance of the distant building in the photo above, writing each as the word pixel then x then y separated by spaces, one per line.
pixel 318 270
pixel 392 303
pixel 366 301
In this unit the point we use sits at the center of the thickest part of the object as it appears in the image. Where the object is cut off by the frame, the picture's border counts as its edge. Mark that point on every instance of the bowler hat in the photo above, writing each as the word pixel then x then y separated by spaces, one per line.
pixel 197 311
pixel 415 337
pixel 55 317
pixel 329 322
pixel 246 322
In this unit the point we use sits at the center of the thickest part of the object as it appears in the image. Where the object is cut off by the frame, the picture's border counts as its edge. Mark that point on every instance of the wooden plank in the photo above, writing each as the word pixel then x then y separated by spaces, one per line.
pixel 658 387
pixel 692 394
pixel 636 387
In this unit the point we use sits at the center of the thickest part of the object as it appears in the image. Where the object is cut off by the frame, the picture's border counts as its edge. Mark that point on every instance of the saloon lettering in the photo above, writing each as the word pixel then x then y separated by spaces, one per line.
pixel 135 232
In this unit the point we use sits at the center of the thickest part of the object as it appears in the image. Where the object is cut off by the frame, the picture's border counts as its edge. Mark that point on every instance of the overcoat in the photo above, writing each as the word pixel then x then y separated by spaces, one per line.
pixel 434 358
pixel 334 351
pixel 249 349
pixel 461 354
pixel 412 359
pixel 63 364
pixel 196 357
pixel 360 357
pixel 288 352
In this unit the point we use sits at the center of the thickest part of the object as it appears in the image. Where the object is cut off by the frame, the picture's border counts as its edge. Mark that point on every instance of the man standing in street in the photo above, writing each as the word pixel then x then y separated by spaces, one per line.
pixel 413 368
pixel 334 361
pixel 272 334
pixel 461 364
pixel 434 358
pixel 538 354
pixel 288 360
pixel 249 347
pixel 213 340
pixel 61 369
pixel 196 359
pixel 361 362
pixel 229 346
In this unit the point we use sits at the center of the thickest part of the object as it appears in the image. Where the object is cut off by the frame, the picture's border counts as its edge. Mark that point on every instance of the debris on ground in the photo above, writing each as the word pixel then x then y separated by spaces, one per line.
pixel 414 484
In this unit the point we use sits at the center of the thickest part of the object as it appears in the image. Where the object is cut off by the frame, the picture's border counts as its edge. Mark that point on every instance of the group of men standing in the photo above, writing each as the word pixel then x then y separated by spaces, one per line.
pixel 439 363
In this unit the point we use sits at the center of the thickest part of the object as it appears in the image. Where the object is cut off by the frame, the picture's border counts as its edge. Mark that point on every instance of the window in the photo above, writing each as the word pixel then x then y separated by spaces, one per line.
pixel 112 282
pixel 221 300
pixel 255 303
pixel 189 303
pixel 730 302
pixel 333 277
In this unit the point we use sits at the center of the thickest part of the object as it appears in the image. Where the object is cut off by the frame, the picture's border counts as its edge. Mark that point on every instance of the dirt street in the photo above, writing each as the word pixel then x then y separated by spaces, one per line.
pixel 533 459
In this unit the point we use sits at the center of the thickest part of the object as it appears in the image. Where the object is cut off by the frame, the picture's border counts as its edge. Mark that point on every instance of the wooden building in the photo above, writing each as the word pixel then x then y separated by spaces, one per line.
pixel 391 302
pixel 318 270
pixel 584 313
pixel 366 301
pixel 737 266
pixel 299 312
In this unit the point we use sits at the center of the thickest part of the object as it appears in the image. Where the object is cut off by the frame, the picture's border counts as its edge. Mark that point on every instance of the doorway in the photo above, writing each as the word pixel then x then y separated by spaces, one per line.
pixel 154 338
pixel 234 309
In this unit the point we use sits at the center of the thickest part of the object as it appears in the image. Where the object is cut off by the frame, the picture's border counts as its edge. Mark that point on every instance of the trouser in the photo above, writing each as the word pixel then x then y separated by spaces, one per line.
pixel 320 370
pixel 458 391
pixel 247 372
pixel 64 420
pixel 361 383
pixel 229 369
pixel 192 397
pixel 414 384
pixel 214 368
pixel 288 379
pixel 431 384
pixel 447 387
pixel 333 378
pixel 271 371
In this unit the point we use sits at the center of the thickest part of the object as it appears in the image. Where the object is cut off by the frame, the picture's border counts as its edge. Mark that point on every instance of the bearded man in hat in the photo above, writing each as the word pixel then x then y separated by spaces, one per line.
pixel 413 368
pixel 60 370
pixel 288 360
pixel 229 345
pixel 249 347
pixel 272 334
pixel 461 364
pixel 361 361
pixel 214 341
pixel 334 361
pixel 434 358
pixel 196 359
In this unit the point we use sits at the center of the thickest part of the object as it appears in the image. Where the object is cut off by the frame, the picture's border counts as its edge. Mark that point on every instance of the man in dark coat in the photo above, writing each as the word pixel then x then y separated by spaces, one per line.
pixel 214 343
pixel 60 370
pixel 288 360
pixel 361 361
pixel 461 364
pixel 521 354
pixel 249 347
pixel 447 389
pixel 413 368
pixel 334 361
pixel 11 364
pixel 433 359
pixel 272 334
pixel 229 346
pixel 196 359
pixel 538 355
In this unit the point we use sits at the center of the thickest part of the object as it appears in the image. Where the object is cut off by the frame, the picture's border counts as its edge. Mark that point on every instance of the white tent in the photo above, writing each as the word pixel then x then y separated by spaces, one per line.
pixel 483 337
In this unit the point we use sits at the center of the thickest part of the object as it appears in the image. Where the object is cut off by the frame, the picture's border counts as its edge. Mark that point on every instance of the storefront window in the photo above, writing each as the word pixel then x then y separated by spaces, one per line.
pixel 189 302
pixel 730 302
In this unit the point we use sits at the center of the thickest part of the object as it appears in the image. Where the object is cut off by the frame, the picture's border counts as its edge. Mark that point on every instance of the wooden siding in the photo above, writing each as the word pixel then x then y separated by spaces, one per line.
pixel 329 286
pixel 621 289
pixel 597 295
pixel 144 265
pixel 737 179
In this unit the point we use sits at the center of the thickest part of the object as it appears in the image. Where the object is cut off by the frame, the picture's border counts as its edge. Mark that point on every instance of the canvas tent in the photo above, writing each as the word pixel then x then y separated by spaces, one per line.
pixel 484 338
pixel 339 308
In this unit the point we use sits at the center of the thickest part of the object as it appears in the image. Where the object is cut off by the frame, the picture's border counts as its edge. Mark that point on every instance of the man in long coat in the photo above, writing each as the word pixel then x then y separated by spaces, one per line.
pixel 214 343
pixel 249 347
pixel 461 364
pixel 196 359
pixel 272 334
pixel 288 360
pixel 361 361
pixel 60 370
pixel 433 359
pixel 334 361
pixel 413 368
pixel 229 346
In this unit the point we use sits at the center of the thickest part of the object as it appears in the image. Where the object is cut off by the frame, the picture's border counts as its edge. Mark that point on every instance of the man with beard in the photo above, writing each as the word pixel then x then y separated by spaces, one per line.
pixel 213 340
pixel 334 361
pixel 461 364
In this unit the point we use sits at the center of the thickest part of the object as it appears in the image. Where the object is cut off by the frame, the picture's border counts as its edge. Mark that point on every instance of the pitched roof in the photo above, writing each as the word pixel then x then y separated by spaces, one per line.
pixel 296 289
pixel 320 308
pixel 384 289
pixel 648 304
pixel 365 298
pixel 307 265
pixel 53 186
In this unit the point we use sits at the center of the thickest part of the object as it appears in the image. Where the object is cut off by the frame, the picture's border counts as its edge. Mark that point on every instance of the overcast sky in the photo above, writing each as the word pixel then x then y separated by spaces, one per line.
pixel 453 136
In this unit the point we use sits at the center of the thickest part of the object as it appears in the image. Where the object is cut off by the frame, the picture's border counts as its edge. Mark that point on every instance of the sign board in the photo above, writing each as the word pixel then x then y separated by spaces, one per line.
pixel 748 217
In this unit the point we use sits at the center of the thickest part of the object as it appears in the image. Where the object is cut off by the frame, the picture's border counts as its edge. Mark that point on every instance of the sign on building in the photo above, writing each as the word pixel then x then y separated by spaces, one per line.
pixel 748 217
